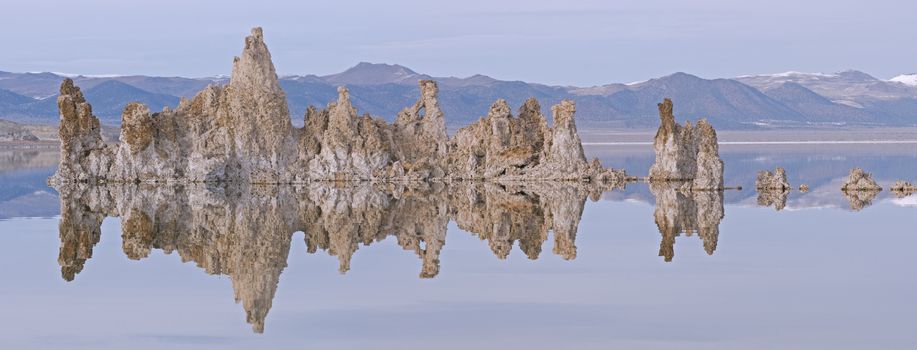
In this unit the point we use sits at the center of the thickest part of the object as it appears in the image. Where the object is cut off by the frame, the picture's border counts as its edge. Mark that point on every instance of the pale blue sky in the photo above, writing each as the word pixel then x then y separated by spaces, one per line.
pixel 566 43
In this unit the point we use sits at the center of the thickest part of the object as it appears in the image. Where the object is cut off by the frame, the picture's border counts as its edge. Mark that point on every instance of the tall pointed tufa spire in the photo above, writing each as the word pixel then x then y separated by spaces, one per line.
pixel 256 115
pixel 254 68
pixel 84 155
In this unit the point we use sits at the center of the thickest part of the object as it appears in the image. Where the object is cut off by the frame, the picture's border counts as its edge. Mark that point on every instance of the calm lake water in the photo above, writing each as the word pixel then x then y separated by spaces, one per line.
pixel 534 267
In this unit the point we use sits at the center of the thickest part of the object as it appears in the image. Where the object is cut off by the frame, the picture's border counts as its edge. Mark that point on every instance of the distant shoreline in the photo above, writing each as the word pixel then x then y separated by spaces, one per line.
pixel 27 145
pixel 600 137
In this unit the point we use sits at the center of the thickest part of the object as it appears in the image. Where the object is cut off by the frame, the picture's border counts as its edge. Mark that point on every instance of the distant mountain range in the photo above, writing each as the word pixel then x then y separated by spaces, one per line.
pixel 792 99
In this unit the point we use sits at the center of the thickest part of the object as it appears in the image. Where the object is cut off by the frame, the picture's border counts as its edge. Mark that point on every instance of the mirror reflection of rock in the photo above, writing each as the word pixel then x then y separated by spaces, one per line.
pixel 245 232
pixel 680 211
pixel 860 189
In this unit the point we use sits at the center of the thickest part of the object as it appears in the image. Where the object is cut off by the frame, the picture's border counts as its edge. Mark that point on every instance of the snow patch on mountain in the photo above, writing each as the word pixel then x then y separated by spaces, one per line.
pixel 906 79
pixel 790 74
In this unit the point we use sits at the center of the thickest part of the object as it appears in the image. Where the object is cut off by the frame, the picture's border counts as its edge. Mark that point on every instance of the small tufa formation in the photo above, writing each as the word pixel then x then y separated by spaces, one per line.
pixel 242 133
pixel 860 189
pixel 903 188
pixel 860 180
pixel 803 188
pixel 773 181
pixel 773 188
pixel 686 153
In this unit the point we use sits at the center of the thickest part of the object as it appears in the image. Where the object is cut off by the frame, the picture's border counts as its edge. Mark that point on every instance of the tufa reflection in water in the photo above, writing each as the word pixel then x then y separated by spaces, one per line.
pixel 245 232
pixel 773 197
pixel 860 199
pixel 689 212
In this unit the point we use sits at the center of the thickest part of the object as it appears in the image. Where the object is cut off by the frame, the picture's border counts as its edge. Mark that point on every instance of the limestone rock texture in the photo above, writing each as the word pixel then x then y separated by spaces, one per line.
pixel 860 180
pixel 84 156
pixel 709 174
pixel 245 231
pixel 686 153
pixel 903 188
pixel 776 180
pixel 242 133
pixel 513 148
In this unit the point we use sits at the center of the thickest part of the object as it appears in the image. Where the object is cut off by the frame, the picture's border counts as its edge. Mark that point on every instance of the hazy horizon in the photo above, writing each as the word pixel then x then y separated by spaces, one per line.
pixel 583 44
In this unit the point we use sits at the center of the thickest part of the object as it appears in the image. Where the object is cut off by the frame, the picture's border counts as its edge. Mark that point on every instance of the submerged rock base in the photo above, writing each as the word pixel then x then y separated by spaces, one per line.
pixel 242 133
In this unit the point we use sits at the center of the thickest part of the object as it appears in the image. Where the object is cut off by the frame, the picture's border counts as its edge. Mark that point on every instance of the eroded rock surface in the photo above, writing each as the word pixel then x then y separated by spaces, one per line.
pixel 241 133
pixel 860 180
pixel 772 180
pixel 709 174
pixel 84 156
pixel 506 147
pixel 686 153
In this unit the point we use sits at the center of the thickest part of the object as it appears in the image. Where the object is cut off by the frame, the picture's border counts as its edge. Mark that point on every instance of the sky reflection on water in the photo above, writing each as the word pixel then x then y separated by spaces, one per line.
pixel 814 275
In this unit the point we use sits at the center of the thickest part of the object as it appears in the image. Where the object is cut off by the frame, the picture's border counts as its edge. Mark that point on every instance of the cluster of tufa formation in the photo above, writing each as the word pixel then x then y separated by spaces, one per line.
pixel 773 188
pixel 242 133
pixel 686 153
pixel 524 147
pixel 860 189
pixel 903 188
pixel 772 180
pixel 860 180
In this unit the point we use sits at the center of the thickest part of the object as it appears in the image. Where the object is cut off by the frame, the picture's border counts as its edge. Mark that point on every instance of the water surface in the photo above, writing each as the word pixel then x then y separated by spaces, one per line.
pixel 539 267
